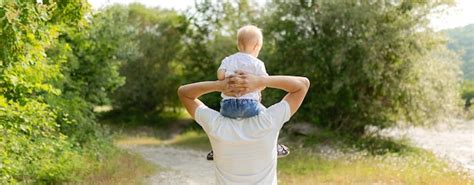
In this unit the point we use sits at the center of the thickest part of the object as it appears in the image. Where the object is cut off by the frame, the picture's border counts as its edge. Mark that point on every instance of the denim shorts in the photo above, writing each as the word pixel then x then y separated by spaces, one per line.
pixel 240 108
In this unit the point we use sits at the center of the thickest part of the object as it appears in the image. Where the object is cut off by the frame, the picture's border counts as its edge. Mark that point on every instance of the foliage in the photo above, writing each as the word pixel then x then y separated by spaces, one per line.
pixel 369 63
pixel 54 66
pixel 151 78
pixel 468 94
pixel 468 89
pixel 462 40
pixel 30 144
pixel 94 54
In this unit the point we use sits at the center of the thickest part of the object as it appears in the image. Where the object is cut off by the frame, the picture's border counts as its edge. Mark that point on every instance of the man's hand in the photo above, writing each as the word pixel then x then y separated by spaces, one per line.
pixel 242 83
pixel 228 88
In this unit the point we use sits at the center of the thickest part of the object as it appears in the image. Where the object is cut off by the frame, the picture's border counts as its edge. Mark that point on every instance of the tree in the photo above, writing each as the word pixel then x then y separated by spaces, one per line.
pixel 468 93
pixel 151 78
pixel 93 54
pixel 370 63
pixel 462 40
pixel 56 62
pixel 31 146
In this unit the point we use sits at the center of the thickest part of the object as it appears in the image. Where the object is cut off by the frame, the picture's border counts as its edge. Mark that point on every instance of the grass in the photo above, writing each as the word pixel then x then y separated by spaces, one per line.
pixel 193 139
pixel 136 119
pixel 304 166
pixel 116 166
pixel 470 114
pixel 121 167
pixel 171 127
pixel 331 158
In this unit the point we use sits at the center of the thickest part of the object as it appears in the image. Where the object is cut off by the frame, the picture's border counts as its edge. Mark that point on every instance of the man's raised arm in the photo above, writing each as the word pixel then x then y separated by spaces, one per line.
pixel 189 94
pixel 297 87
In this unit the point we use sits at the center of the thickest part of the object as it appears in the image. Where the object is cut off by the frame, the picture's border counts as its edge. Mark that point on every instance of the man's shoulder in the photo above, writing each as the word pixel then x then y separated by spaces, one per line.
pixel 205 115
pixel 279 106
pixel 279 112
pixel 260 62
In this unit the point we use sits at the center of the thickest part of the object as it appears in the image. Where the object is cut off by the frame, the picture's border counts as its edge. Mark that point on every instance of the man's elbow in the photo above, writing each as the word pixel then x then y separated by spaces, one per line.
pixel 305 83
pixel 180 91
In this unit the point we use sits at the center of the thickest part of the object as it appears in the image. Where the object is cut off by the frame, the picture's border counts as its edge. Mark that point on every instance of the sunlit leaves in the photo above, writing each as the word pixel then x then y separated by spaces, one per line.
pixel 32 147
pixel 152 76
pixel 369 64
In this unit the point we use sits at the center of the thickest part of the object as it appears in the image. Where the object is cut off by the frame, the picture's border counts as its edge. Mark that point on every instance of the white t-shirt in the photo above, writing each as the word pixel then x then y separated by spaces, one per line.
pixel 247 63
pixel 245 149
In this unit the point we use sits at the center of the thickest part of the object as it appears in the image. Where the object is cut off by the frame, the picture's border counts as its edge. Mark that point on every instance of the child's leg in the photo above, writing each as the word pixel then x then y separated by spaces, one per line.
pixel 248 107
pixel 229 108
pixel 240 108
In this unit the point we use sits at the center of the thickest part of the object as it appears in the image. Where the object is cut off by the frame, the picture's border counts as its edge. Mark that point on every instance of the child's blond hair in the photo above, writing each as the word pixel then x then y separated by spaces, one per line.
pixel 249 36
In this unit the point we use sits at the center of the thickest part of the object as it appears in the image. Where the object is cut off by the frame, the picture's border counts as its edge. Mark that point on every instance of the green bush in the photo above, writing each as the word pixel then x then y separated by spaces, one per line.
pixel 460 40
pixel 369 63
pixel 54 66
pixel 468 93
pixel 153 77
pixel 32 148
pixel 94 52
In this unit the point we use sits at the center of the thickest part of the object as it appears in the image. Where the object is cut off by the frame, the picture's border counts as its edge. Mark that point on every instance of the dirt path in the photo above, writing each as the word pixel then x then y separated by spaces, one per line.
pixel 454 142
pixel 182 166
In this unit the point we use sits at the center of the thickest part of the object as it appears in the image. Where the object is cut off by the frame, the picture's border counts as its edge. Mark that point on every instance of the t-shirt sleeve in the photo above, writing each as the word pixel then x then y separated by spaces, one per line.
pixel 261 71
pixel 205 117
pixel 224 64
pixel 280 113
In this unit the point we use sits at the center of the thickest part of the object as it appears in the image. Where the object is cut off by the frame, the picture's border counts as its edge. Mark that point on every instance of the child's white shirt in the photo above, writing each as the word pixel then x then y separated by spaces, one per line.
pixel 246 63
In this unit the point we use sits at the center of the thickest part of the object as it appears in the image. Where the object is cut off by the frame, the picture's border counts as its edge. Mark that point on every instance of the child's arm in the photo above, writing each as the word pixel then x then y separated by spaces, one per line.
pixel 221 74
pixel 262 71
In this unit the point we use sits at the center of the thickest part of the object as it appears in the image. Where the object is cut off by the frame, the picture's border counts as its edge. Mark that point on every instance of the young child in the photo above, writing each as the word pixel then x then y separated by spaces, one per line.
pixel 249 43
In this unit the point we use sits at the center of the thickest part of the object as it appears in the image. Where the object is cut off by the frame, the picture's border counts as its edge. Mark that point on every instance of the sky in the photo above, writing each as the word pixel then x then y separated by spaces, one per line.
pixel 461 15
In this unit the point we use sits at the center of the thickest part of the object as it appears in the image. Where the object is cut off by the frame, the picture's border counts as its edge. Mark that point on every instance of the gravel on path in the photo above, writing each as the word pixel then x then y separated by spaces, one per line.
pixel 182 166
pixel 453 142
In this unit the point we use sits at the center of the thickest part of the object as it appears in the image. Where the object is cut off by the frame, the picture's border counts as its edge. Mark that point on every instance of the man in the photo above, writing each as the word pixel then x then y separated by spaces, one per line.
pixel 245 149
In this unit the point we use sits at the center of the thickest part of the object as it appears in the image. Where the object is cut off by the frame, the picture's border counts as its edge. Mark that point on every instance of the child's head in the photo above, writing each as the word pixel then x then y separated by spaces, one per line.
pixel 250 39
